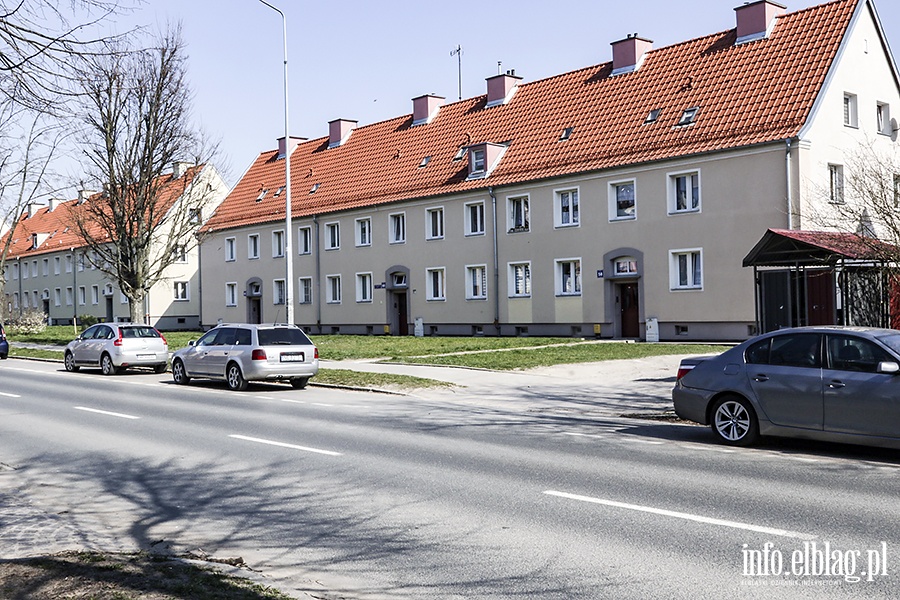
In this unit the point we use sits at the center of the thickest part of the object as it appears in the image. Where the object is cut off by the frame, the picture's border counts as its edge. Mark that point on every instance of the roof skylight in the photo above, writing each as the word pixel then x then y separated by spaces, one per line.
pixel 262 194
pixel 652 116
pixel 314 188
pixel 425 162
pixel 566 134
pixel 688 116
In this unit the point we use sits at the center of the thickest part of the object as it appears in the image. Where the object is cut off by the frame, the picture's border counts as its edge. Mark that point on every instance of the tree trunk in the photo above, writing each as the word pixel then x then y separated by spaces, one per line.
pixel 136 307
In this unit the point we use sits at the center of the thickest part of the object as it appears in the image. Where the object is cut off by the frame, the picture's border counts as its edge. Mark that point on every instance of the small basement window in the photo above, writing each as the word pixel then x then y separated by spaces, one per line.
pixel 652 116
pixel 688 116
pixel 566 134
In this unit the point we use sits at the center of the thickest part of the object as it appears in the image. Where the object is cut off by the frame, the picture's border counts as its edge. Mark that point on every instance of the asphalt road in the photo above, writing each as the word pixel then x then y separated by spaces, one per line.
pixel 343 494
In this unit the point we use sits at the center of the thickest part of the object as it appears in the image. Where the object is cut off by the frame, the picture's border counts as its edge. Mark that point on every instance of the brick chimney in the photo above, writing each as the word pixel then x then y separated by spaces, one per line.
pixel 500 88
pixel 425 108
pixel 756 19
pixel 339 131
pixel 53 203
pixel 628 54
pixel 83 195
pixel 287 148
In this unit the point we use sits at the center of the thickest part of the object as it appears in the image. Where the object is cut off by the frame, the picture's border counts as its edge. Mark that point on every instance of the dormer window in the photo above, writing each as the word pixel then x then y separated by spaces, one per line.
pixel 652 116
pixel 566 134
pixel 483 158
pixel 688 116
pixel 478 158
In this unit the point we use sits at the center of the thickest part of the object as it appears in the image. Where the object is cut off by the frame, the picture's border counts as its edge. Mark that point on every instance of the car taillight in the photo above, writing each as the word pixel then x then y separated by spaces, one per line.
pixel 162 336
pixel 682 371
pixel 118 341
pixel 317 353
pixel 258 354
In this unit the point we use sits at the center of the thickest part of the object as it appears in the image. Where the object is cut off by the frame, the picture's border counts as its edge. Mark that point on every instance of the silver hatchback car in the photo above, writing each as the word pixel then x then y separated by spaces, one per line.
pixel 115 347
pixel 240 353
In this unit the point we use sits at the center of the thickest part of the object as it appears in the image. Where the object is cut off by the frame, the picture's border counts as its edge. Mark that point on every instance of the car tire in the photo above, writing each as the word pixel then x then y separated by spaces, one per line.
pixel 734 421
pixel 106 365
pixel 160 369
pixel 69 361
pixel 298 383
pixel 179 373
pixel 235 378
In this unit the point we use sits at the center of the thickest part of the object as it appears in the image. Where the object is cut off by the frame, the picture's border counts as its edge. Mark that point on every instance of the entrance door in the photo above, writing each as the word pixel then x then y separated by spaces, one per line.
pixel 254 314
pixel 820 297
pixel 109 309
pixel 401 312
pixel 629 310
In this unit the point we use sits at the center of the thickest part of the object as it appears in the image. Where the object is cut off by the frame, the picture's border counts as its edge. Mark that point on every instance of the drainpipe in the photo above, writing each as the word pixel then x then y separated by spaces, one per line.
pixel 496 261
pixel 318 276
pixel 788 178
pixel 19 262
pixel 74 290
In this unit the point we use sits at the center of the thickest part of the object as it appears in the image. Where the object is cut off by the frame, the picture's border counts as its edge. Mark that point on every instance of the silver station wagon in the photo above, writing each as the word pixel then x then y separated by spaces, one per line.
pixel 839 384
pixel 241 353
pixel 115 347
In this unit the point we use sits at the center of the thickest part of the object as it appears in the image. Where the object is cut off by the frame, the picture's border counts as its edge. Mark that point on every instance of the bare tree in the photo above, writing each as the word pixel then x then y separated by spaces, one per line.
pixel 138 124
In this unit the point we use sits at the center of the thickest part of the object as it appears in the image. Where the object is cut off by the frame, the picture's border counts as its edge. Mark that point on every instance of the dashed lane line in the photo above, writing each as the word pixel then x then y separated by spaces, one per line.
pixel 105 412
pixel 284 445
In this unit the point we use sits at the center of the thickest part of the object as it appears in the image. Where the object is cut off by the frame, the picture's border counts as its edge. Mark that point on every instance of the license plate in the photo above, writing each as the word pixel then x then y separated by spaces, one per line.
pixel 146 356
pixel 293 357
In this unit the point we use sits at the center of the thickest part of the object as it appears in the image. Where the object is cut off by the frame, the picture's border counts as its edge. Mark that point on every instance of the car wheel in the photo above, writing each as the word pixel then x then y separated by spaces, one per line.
pixel 160 369
pixel 71 367
pixel 734 422
pixel 235 378
pixel 179 374
pixel 107 366
pixel 298 383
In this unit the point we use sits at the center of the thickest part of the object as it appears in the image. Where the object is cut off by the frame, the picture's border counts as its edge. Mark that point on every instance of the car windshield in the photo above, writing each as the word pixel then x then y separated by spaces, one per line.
pixel 892 341
pixel 282 336
pixel 139 332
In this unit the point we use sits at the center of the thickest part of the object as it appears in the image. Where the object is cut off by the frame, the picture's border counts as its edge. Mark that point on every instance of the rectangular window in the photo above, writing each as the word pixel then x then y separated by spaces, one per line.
pixel 332 236
pixel 363 287
pixel 896 191
pixel 686 269
pixel 230 254
pixel 568 277
pixel 478 161
pixel 434 224
pixel 476 282
pixel 45 267
pixel 57 297
pixel 253 246
pixel 231 294
pixel 434 282
pixel 850 112
pixel 520 280
pixel 304 235
pixel 179 254
pixel 684 192
pixel 182 290
pixel 305 290
pixel 474 218
pixel 56 262
pixel 95 294
pixel 278 244
pixel 15 271
pixel 836 183
pixel 15 299
pixel 80 262
pixel 278 291
pixel 194 216
pixel 123 299
pixel 622 204
pixel 883 118
pixel 69 296
pixel 567 210
pixel 364 232
pixel 398 228
pixel 68 263
pixel 82 295
pixel 333 289
pixel 518 220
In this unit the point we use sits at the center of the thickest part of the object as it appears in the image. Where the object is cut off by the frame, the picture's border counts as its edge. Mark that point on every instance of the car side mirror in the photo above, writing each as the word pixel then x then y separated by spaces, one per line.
pixel 192 342
pixel 888 367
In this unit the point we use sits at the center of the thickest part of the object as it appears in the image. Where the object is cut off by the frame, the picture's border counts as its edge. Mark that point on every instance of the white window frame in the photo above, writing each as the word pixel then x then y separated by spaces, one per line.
pixel 434 223
pixel 45 267
pixel 333 291
pixel 364 288
pixel 625 266
pixel 614 200
pixel 253 244
pixel 305 295
pixel 95 295
pixel 436 284
pixel 883 118
pixel 68 263
pixel 571 196
pixel 476 290
pixel 478 207
pixel 333 235
pixel 279 292
pixel 561 266
pixel 181 291
pixel 836 190
pixel 69 296
pixel 179 254
pixel 518 220
pixel 363 232
pixel 82 295
pixel 56 265
pixel 57 297
pixel 278 243
pixel 304 237
pixel 231 293
pixel 398 228
pixel 512 269
pixel 691 264
pixel 478 156
pixel 851 110
pixel 672 186
pixel 230 249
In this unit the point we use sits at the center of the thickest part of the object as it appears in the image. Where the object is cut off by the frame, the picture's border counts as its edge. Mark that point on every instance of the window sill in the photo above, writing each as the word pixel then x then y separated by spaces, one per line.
pixel 629 218
pixel 477 299
pixel 364 245
pixel 519 230
pixel 566 225
pixel 435 299
pixel 364 302
pixel 474 234
pixel 520 297
pixel 691 211
pixel 686 289
pixel 333 248
pixel 398 242
pixel 569 295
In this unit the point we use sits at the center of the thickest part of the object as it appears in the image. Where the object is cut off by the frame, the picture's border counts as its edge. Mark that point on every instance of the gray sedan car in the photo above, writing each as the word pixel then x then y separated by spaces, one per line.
pixel 240 353
pixel 839 384
pixel 115 347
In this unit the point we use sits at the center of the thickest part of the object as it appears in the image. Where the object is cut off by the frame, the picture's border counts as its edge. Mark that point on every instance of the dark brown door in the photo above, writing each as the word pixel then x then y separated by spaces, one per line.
pixel 629 310
pixel 253 307
pixel 820 297
pixel 402 314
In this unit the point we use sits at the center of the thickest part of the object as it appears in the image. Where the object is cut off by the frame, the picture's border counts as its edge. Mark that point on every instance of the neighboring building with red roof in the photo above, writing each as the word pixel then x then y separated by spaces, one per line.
pixel 49 267
pixel 582 204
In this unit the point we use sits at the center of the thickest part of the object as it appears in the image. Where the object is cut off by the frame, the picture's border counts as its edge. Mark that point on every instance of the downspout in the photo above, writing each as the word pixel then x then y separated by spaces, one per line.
pixel 789 180
pixel 496 261
pixel 74 289
pixel 318 277
pixel 19 261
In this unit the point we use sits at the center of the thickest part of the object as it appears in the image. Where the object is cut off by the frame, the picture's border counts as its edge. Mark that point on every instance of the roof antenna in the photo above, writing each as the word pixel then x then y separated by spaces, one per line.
pixel 458 54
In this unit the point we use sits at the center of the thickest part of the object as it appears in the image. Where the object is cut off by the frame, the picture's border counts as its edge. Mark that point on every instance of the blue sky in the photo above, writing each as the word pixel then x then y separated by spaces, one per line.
pixel 366 60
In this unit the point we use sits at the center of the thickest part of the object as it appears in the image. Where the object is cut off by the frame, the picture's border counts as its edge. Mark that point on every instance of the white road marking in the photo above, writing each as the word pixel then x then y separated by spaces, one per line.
pixel 10 395
pixel 708 448
pixel 106 412
pixel 322 404
pixel 291 401
pixel 686 516
pixel 264 397
pixel 587 435
pixel 283 445
pixel 640 441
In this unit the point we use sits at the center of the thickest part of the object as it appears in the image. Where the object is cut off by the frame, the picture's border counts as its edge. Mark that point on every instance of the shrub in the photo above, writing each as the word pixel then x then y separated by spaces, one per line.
pixel 30 321
pixel 85 321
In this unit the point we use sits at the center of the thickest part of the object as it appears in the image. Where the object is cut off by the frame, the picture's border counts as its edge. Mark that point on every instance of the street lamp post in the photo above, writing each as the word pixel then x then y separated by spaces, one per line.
pixel 288 251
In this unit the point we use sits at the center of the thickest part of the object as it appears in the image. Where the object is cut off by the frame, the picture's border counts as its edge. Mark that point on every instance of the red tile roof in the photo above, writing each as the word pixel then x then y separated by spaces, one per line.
pixel 787 247
pixel 753 93
pixel 60 223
